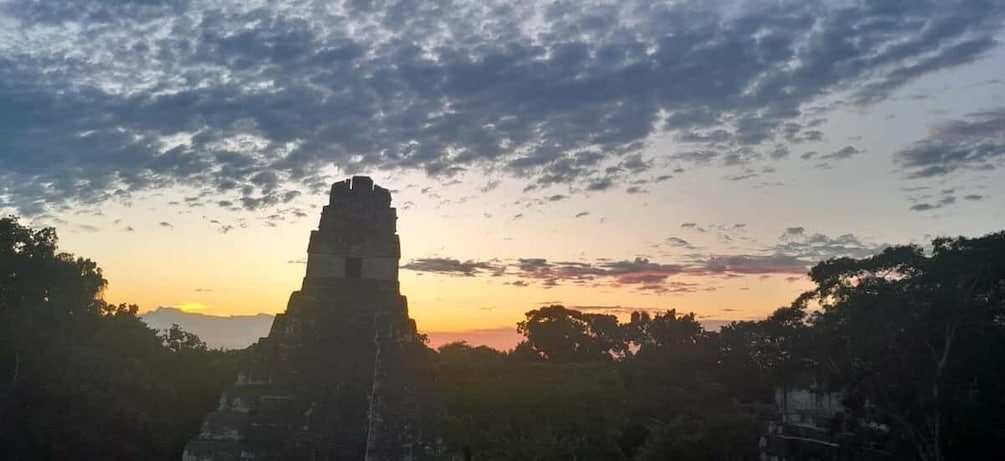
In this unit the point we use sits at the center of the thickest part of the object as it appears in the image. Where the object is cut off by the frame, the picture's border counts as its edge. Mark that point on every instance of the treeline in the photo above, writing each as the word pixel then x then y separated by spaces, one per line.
pixel 584 386
pixel 84 379
pixel 913 340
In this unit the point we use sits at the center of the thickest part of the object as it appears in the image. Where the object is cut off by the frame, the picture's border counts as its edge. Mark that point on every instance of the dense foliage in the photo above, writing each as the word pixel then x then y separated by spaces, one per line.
pixel 917 342
pixel 911 338
pixel 585 386
pixel 84 379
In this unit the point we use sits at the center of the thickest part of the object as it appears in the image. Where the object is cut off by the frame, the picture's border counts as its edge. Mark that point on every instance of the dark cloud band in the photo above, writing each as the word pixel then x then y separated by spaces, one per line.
pixel 976 142
pixel 101 100
pixel 794 253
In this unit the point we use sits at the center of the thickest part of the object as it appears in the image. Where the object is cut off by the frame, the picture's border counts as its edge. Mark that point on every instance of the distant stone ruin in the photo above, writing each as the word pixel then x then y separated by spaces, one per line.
pixel 342 374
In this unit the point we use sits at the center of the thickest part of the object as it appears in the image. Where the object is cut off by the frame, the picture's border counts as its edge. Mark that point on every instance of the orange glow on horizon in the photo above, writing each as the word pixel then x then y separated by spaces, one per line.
pixel 190 306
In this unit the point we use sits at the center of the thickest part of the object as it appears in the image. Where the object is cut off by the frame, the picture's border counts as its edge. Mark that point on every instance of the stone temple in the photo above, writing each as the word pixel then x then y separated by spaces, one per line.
pixel 342 374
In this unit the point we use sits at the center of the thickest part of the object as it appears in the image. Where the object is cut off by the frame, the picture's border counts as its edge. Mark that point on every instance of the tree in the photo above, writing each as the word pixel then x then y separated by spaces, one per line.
pixel 717 436
pixel 176 339
pixel 34 275
pixel 911 338
pixel 665 330
pixel 755 357
pixel 502 408
pixel 81 378
pixel 672 377
pixel 565 335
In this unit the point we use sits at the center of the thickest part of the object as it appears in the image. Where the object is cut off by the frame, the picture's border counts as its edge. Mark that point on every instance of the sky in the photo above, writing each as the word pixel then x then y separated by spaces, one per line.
pixel 605 155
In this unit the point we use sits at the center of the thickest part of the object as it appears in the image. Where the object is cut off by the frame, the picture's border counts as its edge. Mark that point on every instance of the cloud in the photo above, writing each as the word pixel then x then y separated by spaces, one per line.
pixel 976 143
pixel 533 264
pixel 639 273
pixel 644 274
pixel 756 264
pixel 842 153
pixel 778 152
pixel 617 309
pixel 818 247
pixel 694 227
pixel 450 266
pixel 794 253
pixel 166 224
pixel 237 98
pixel 600 185
pixel 740 177
pixel 678 242
pixel 946 200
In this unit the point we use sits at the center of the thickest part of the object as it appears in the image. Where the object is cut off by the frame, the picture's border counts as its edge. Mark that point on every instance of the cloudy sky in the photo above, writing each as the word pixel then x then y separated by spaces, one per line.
pixel 611 155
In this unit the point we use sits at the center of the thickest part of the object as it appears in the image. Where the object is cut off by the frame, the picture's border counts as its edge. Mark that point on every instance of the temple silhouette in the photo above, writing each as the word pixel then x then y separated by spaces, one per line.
pixel 342 374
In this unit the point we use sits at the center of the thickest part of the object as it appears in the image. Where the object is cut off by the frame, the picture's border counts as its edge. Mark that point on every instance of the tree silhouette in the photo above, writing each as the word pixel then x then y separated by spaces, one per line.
pixel 563 335
pixel 81 378
pixel 913 340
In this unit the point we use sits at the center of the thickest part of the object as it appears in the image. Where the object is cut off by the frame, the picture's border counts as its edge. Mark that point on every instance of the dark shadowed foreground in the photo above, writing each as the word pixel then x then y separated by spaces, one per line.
pixel 907 345
pixel 84 379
